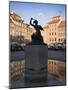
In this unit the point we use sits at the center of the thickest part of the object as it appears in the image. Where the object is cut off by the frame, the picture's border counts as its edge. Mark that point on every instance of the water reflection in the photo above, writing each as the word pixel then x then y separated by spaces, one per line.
pixel 56 73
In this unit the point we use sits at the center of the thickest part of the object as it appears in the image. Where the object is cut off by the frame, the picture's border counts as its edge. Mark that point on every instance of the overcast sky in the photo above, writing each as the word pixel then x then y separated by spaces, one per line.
pixel 42 12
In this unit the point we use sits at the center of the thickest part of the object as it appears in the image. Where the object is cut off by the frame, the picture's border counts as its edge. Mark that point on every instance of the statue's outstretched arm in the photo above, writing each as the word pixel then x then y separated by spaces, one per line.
pixel 31 22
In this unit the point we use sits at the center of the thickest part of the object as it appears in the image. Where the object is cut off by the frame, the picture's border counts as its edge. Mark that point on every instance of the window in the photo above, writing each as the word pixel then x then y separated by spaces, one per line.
pixel 55 33
pixel 55 63
pixel 52 62
pixel 59 39
pixel 49 62
pixel 49 33
pixel 55 39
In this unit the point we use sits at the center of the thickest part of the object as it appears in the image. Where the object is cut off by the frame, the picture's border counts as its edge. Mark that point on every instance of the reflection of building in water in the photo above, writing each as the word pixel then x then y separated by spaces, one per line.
pixel 19 30
pixel 54 31
pixel 16 69
pixel 56 67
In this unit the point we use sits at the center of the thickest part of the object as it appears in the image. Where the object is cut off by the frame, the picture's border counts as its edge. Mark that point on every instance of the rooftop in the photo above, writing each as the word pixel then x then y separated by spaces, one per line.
pixel 56 16
pixel 54 21
pixel 16 17
pixel 62 24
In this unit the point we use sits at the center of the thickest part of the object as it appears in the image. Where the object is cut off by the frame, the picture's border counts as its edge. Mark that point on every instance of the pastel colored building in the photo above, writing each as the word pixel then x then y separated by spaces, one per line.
pixel 19 30
pixel 55 31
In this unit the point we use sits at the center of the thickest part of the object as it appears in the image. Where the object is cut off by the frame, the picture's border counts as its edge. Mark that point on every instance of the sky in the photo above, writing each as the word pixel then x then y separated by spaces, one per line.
pixel 42 12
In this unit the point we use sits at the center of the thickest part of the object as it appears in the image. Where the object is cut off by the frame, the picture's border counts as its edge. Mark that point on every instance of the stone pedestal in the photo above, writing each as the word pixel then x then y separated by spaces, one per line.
pixel 36 59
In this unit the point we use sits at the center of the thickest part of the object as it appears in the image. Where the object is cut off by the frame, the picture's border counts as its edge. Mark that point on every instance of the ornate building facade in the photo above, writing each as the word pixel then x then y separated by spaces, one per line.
pixel 19 30
pixel 55 31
